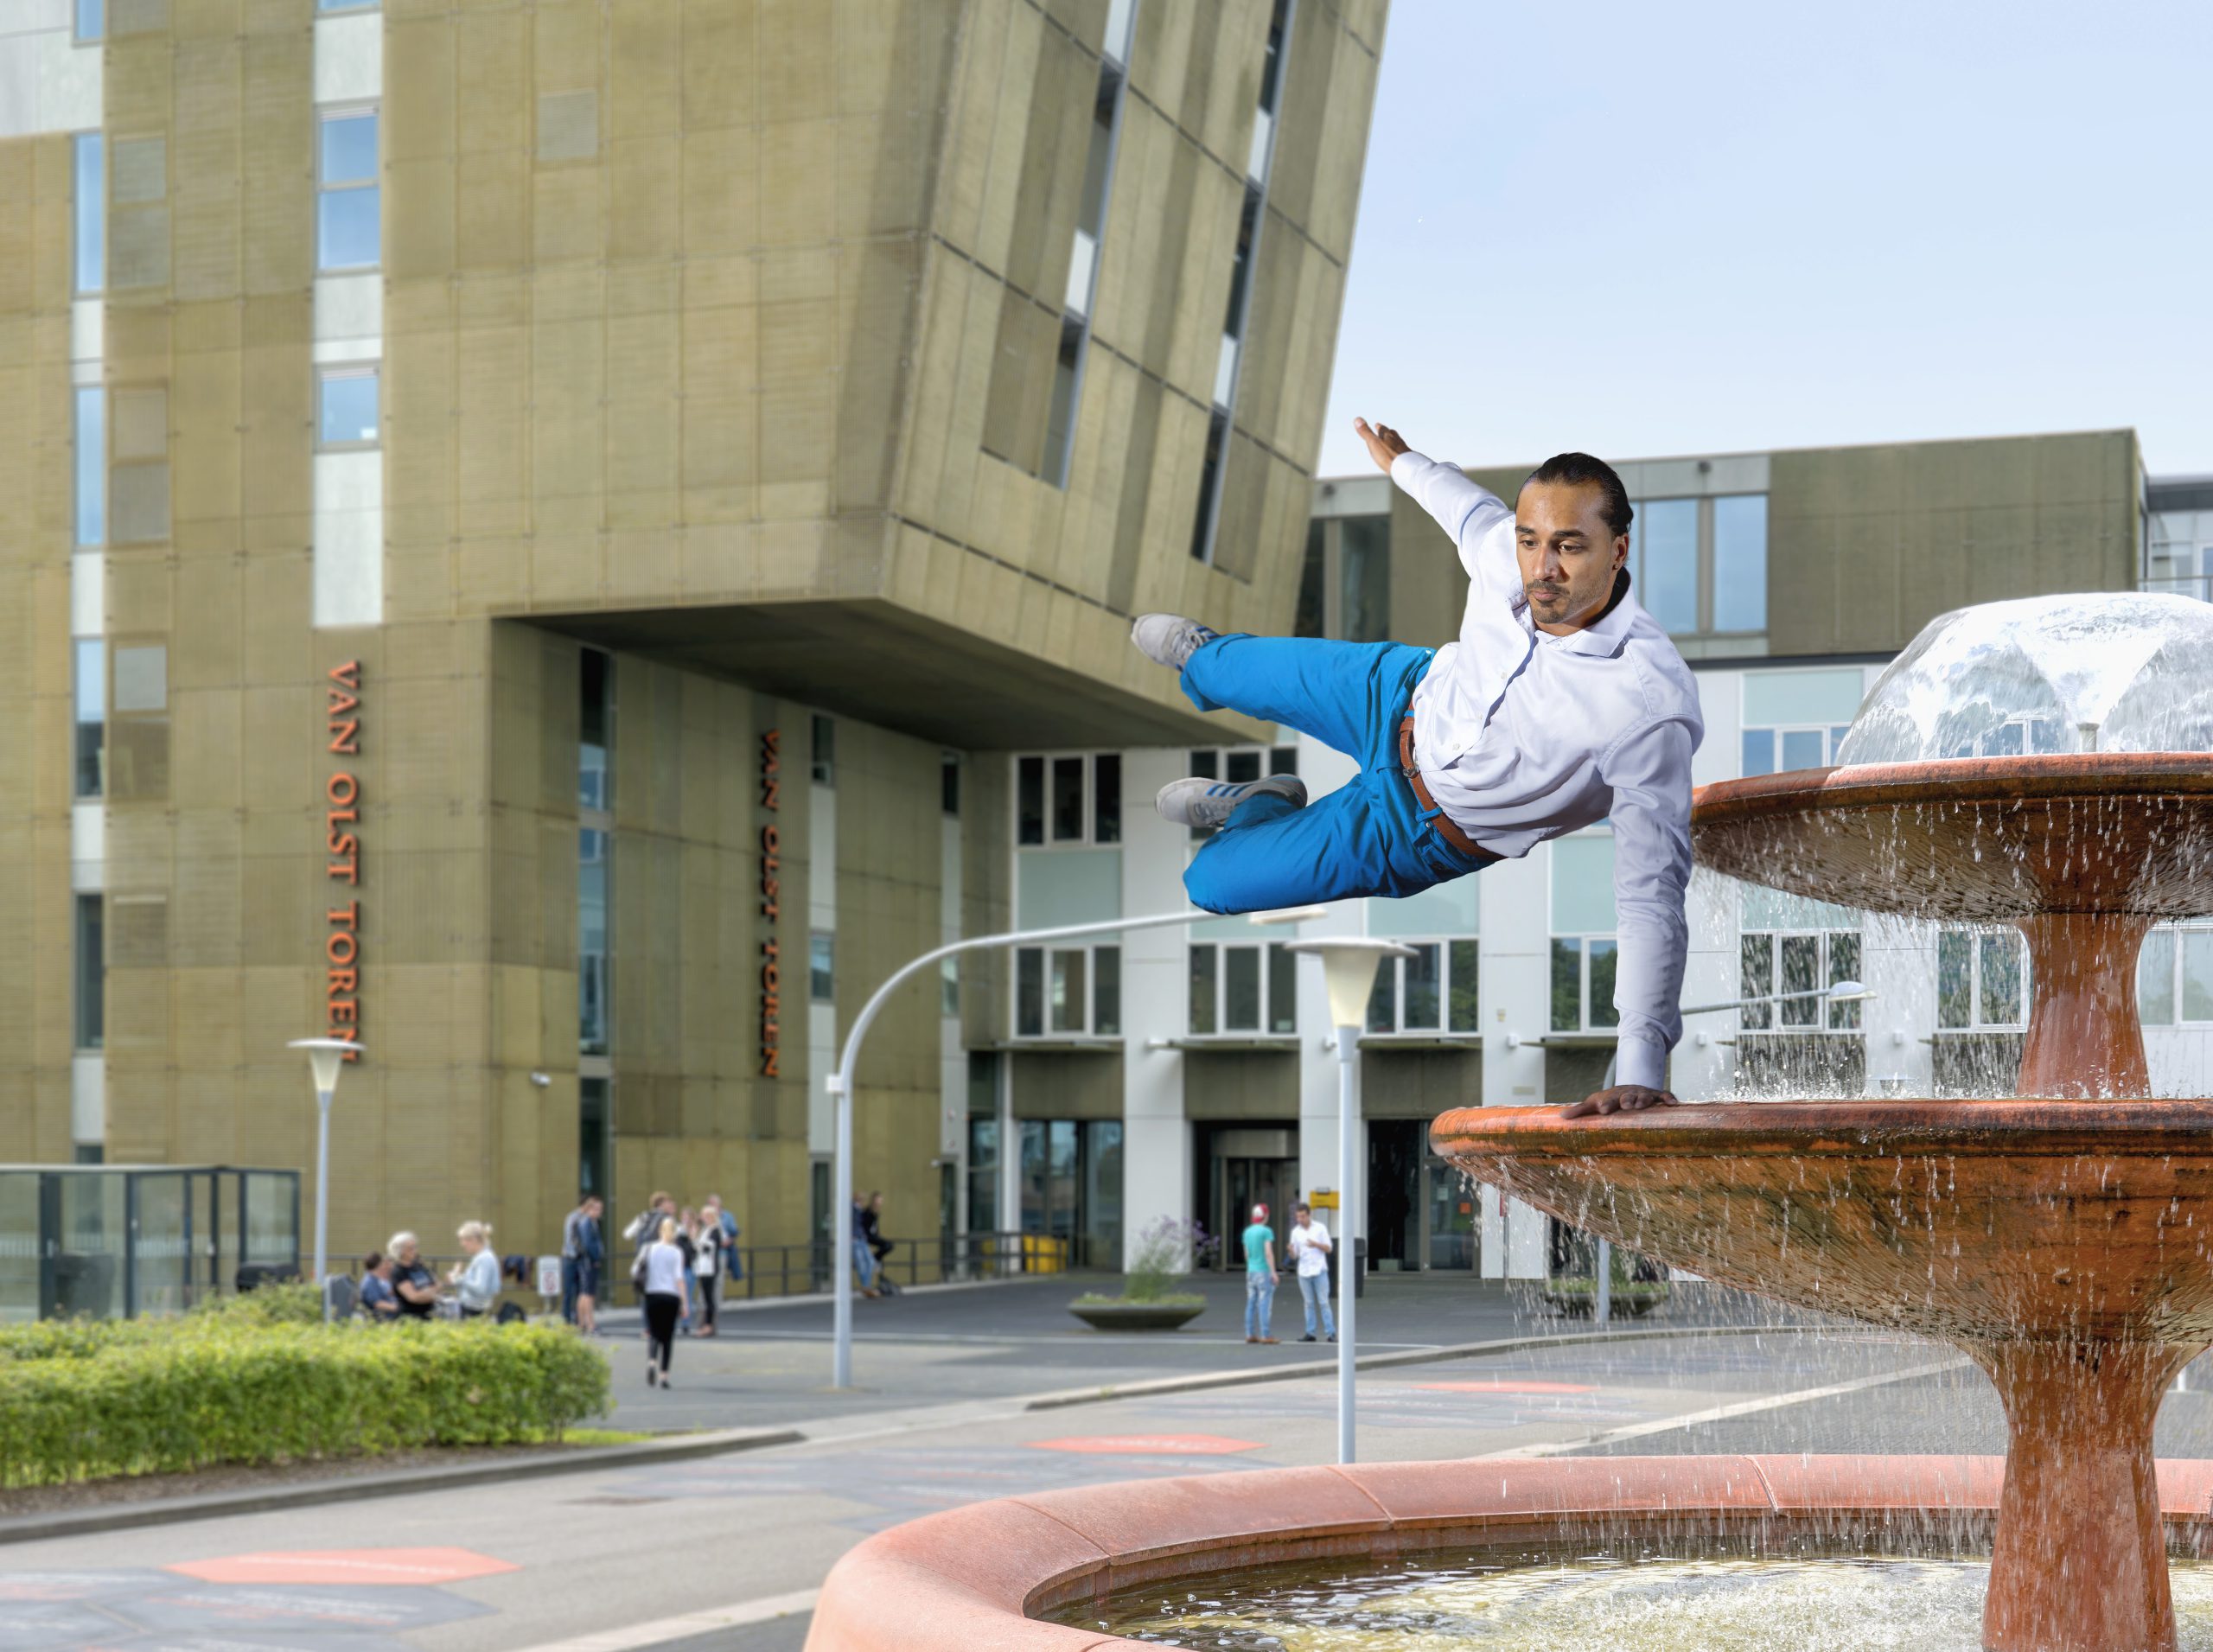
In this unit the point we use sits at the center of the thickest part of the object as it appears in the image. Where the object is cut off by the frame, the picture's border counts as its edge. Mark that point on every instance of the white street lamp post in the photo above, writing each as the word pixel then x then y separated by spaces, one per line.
pixel 325 1057
pixel 841 1093
pixel 1602 1305
pixel 1349 971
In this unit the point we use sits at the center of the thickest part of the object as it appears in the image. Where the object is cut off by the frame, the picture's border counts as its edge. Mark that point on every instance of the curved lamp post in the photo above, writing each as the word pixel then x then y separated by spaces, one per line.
pixel 325 1057
pixel 1602 1301
pixel 841 1091
pixel 1349 964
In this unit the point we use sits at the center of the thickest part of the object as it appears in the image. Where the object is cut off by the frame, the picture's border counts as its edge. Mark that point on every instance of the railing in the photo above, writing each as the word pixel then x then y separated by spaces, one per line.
pixel 796 1270
pixel 2197 585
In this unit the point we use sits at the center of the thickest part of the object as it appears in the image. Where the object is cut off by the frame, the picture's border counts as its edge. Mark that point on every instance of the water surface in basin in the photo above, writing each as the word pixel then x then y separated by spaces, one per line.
pixel 1598 1604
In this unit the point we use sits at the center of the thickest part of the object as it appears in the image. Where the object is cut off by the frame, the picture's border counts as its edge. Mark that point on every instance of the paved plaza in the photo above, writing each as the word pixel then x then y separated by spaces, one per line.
pixel 726 1551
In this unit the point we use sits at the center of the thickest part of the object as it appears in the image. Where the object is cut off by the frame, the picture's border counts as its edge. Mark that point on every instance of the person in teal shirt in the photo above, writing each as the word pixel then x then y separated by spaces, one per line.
pixel 1260 1276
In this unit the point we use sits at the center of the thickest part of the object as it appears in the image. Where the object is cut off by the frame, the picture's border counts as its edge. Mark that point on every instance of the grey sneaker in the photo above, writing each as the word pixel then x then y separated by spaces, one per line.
pixel 1206 803
pixel 1170 639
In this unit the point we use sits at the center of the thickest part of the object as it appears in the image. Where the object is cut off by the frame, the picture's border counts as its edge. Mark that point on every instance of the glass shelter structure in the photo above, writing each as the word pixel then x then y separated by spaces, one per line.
pixel 106 1241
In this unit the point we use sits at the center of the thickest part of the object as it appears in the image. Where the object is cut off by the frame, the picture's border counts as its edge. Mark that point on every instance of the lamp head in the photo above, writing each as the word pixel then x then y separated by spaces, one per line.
pixel 1348 969
pixel 1849 992
pixel 325 1057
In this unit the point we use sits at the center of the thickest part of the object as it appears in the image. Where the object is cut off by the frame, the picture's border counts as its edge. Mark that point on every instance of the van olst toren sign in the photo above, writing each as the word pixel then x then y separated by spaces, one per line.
pixel 341 839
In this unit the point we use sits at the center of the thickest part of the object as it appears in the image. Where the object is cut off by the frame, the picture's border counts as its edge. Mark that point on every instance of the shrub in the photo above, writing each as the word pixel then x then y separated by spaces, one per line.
pixel 295 1302
pixel 79 1401
pixel 1165 1251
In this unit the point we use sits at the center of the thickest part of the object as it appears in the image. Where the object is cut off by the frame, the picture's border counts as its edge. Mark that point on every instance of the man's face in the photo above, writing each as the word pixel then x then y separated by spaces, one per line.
pixel 1568 554
pixel 1301 1216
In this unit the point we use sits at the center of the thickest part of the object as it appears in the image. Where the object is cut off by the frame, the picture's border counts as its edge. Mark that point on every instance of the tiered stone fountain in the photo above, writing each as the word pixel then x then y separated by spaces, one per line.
pixel 2064 1241
pixel 2043 764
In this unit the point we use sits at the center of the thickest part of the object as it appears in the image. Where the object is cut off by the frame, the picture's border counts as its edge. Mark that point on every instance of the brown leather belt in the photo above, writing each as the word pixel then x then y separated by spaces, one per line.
pixel 1440 822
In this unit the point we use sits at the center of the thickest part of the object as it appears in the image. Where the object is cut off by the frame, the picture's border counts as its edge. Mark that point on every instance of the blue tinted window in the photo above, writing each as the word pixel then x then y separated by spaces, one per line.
pixel 91 205
pixel 1740 563
pixel 349 149
pixel 92 19
pixel 348 414
pixel 1801 748
pixel 347 230
pixel 1759 751
pixel 1667 579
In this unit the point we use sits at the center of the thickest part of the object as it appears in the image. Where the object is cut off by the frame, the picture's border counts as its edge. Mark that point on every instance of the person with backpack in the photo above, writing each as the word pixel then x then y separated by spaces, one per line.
pixel 583 1253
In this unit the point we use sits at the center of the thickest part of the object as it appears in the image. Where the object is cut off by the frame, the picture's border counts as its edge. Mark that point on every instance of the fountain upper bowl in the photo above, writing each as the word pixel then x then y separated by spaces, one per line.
pixel 1979 840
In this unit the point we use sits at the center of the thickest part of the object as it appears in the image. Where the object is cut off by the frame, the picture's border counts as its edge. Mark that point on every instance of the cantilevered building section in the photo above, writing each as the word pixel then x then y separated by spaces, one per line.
pixel 521 518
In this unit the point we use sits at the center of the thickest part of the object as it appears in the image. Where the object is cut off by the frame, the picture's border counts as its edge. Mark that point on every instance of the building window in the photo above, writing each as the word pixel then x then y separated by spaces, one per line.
pixel 824 758
pixel 91 717
pixel 1345 587
pixel 1797 719
pixel 1435 991
pixel 90 20
pixel 1073 798
pixel 2013 738
pixel 949 972
pixel 948 783
pixel 90 995
pixel 1699 565
pixel 983 1174
pixel 1068 991
pixel 1252 213
pixel 1584 953
pixel 1238 764
pixel 91 460
pixel 1769 963
pixel 592 1138
pixel 1982 980
pixel 91 209
pixel 347 5
pixel 822 967
pixel 2178 552
pixel 2174 976
pixel 349 233
pixel 1248 989
pixel 346 407
pixel 595 731
pixel 591 942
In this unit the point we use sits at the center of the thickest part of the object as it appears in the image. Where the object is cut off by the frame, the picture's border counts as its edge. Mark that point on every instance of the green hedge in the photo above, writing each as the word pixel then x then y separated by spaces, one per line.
pixel 86 1400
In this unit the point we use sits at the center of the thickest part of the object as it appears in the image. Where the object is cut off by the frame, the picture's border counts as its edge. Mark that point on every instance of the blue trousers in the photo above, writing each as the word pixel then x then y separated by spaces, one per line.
pixel 1259 1301
pixel 1368 836
pixel 1313 1294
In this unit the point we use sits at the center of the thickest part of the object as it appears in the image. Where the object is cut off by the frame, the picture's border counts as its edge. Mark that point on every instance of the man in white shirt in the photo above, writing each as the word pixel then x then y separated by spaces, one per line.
pixel 1310 1249
pixel 1562 705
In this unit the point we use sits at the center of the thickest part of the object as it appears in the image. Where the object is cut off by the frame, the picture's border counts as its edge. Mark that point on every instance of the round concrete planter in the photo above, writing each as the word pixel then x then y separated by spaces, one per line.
pixel 1137 1316
pixel 978 1576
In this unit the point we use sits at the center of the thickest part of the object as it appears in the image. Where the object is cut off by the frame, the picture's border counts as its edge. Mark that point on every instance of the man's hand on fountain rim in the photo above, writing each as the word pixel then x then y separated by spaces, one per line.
pixel 1623 1098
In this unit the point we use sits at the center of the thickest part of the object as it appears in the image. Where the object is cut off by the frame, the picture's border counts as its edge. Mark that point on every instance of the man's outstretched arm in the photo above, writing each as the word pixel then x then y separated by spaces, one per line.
pixel 1650 773
pixel 1470 513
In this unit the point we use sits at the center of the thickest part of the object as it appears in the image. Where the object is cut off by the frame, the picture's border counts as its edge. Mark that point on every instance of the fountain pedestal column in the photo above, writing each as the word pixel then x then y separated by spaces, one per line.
pixel 2080 1564
pixel 2084 1037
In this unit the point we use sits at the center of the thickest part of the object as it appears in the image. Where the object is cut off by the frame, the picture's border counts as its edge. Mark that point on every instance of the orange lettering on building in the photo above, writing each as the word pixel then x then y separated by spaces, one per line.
pixel 341 794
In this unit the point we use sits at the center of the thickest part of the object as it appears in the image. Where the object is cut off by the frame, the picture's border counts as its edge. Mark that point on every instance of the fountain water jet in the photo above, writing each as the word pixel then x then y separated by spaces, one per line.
pixel 2064 1241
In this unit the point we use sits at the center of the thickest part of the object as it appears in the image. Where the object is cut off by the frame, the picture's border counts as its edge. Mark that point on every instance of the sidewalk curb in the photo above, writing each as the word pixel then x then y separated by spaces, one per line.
pixel 116 1517
pixel 1381 1363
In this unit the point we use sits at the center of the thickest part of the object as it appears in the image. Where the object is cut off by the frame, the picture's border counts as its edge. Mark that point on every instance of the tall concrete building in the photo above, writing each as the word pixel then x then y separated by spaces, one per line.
pixel 520 521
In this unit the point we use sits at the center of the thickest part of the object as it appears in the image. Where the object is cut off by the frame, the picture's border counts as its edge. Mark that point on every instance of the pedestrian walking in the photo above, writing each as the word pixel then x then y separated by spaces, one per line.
pixel 1309 1246
pixel 1260 1276
pixel 864 1252
pixel 584 1257
pixel 658 1275
pixel 878 1247
pixel 707 1265
pixel 643 1231
pixel 687 1240
pixel 477 1276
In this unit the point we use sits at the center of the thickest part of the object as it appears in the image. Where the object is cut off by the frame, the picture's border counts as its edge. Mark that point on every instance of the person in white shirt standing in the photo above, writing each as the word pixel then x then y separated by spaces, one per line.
pixel 1563 704
pixel 1309 1250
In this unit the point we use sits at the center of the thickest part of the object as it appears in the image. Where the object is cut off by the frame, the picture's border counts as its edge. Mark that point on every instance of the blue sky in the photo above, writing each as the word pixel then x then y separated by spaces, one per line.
pixel 1658 228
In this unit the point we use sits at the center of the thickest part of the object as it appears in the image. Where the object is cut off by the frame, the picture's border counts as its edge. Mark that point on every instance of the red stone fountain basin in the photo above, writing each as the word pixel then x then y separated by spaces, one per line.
pixel 2083 852
pixel 2066 1247
pixel 974 1579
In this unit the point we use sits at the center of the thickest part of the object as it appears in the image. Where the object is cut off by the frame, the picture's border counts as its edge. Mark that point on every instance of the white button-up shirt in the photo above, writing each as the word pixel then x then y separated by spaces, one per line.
pixel 1522 736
